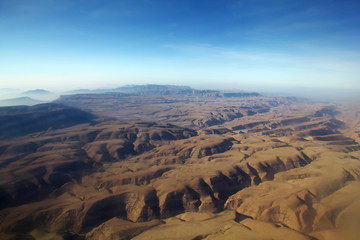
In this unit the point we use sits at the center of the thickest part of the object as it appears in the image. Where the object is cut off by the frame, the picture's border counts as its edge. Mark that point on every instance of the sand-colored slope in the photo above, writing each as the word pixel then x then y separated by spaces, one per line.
pixel 306 199
pixel 219 226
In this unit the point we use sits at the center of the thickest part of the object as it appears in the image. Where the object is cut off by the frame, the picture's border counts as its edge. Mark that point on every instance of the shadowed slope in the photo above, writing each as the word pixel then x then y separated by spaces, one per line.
pixel 22 120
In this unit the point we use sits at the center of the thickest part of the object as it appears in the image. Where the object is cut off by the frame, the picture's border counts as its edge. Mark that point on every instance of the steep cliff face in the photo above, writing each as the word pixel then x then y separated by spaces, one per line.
pixel 83 211
pixel 292 207
pixel 119 229
pixel 136 206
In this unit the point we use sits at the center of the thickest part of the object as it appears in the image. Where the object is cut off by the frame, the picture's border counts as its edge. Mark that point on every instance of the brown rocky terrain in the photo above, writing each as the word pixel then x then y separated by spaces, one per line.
pixel 186 164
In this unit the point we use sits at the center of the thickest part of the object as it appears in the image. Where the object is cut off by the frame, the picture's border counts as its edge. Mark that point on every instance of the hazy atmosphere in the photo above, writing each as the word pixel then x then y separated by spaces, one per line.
pixel 252 45
pixel 179 119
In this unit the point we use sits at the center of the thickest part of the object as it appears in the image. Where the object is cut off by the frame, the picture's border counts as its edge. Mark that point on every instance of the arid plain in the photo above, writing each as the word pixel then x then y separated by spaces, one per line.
pixel 165 162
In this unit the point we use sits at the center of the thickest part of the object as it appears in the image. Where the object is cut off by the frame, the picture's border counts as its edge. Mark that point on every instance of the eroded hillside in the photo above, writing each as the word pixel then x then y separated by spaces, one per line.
pixel 193 166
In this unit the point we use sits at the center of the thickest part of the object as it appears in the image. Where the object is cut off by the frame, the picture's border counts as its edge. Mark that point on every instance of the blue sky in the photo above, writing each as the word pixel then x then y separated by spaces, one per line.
pixel 220 44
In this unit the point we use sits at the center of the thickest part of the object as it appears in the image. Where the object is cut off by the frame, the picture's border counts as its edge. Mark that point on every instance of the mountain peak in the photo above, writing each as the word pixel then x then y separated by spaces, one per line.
pixel 37 91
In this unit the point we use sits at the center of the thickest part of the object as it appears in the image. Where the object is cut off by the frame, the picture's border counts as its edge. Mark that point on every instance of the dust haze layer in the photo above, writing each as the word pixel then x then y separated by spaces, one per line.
pixel 165 162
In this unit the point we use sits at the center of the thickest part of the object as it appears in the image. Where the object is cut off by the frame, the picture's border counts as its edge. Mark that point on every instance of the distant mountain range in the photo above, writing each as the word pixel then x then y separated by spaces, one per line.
pixel 149 88
pixel 37 96
pixel 13 97
pixel 165 90
pixel 20 101
pixel 38 91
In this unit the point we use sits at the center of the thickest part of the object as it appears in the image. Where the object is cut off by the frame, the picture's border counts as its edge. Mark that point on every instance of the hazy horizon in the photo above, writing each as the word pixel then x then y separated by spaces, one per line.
pixel 255 45
pixel 318 94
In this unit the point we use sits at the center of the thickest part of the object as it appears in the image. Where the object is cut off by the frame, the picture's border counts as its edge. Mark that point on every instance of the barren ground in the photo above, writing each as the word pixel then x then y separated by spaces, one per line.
pixel 198 166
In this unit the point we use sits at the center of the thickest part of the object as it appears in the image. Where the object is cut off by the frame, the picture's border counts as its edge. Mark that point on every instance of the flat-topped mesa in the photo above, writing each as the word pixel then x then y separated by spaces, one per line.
pixel 166 90
pixel 158 90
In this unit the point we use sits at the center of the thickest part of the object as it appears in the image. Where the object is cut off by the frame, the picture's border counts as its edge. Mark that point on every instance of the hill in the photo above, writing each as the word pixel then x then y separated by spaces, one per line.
pixel 19 101
pixel 22 120
pixel 37 91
